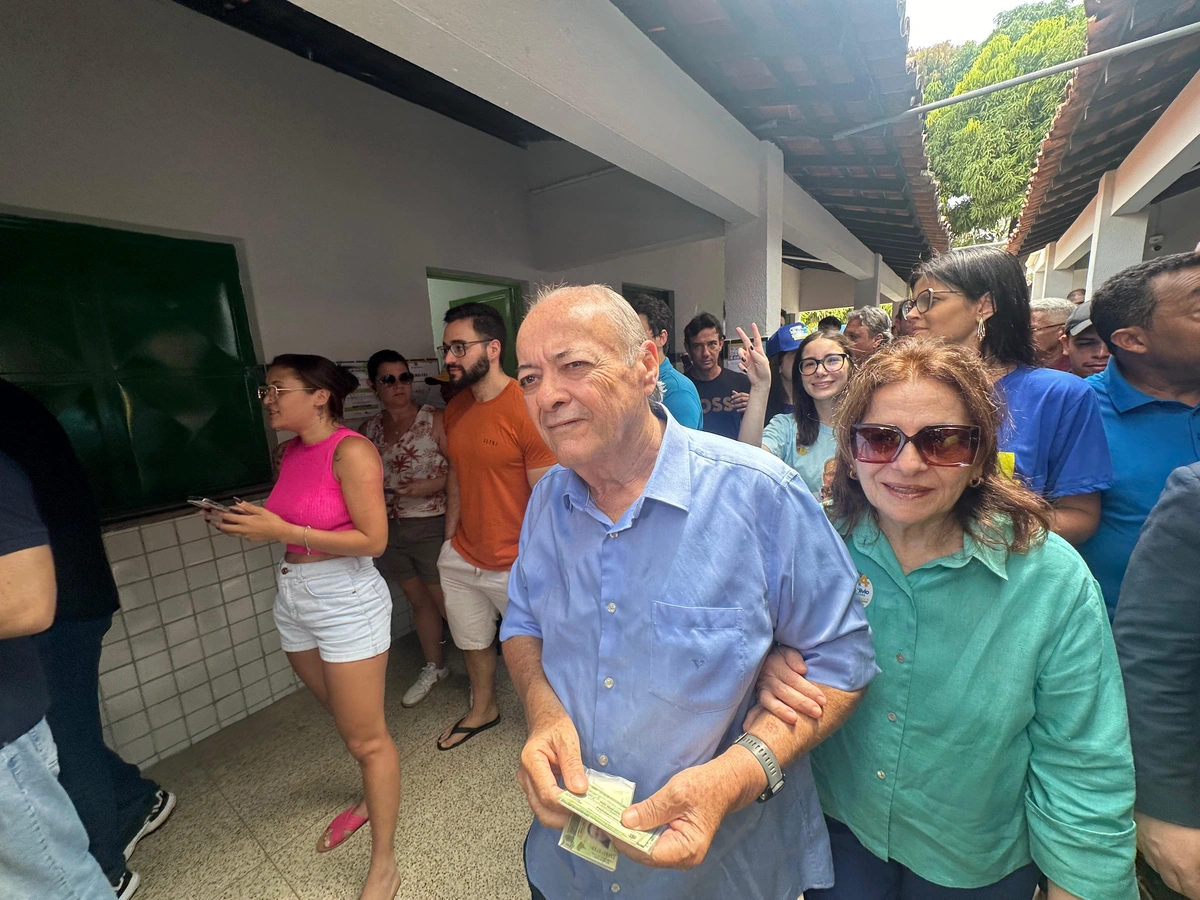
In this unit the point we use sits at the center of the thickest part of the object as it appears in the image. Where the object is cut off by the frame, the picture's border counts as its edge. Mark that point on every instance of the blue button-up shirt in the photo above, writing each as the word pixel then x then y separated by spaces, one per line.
pixel 680 396
pixel 1148 438
pixel 654 629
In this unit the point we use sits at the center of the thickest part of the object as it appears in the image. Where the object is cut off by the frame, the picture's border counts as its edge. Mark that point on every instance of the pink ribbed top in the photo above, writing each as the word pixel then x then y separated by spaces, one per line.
pixel 307 493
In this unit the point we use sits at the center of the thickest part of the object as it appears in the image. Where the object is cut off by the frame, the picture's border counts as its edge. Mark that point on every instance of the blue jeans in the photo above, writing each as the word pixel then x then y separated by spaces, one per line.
pixel 44 849
pixel 861 875
pixel 110 795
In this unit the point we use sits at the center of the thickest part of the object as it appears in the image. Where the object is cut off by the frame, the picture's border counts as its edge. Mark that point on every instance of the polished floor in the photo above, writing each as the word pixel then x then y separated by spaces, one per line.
pixel 255 797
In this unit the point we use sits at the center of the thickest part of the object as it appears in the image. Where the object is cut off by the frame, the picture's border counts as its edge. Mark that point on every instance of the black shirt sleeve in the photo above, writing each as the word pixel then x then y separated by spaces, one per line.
pixel 1157 629
pixel 20 525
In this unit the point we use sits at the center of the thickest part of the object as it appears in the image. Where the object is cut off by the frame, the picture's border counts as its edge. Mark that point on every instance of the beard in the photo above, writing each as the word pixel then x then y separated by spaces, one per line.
pixel 473 375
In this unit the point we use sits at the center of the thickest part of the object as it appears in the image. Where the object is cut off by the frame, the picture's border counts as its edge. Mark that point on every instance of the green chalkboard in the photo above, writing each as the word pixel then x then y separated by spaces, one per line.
pixel 140 345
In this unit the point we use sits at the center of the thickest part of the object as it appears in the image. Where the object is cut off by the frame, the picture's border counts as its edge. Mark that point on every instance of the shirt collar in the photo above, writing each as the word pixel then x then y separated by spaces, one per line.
pixel 1124 396
pixel 869 540
pixel 670 481
pixel 664 365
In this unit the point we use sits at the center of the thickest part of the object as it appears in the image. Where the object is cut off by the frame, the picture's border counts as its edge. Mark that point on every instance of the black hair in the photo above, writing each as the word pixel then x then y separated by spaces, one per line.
pixel 776 398
pixel 320 374
pixel 804 408
pixel 829 323
pixel 1128 299
pixel 657 313
pixel 1008 337
pixel 379 357
pixel 698 324
pixel 487 322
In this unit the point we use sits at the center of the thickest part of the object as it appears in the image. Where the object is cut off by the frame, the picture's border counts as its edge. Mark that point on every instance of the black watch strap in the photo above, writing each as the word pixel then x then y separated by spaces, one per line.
pixel 769 763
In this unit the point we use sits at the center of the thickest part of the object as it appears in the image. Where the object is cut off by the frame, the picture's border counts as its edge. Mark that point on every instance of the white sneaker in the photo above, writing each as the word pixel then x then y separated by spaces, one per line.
pixel 430 675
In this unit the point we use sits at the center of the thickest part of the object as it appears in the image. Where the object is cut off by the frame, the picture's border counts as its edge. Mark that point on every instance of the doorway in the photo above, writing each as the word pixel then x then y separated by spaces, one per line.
pixel 632 291
pixel 449 289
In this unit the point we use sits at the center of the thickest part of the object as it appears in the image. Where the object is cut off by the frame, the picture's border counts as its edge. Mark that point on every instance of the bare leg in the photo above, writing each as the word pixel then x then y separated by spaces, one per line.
pixel 356 691
pixel 427 617
pixel 309 666
pixel 481 669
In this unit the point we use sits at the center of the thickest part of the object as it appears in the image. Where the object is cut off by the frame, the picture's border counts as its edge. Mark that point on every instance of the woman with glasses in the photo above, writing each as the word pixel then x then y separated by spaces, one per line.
pixel 412 443
pixel 333 609
pixel 802 438
pixel 1052 437
pixel 994 741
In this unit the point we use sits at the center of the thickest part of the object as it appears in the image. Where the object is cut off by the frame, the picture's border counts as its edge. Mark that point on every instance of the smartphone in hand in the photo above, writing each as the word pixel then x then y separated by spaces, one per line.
pixel 205 503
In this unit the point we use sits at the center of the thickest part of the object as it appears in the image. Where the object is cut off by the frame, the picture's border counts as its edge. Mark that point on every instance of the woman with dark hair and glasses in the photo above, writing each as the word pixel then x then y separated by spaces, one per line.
pixel 995 740
pixel 802 438
pixel 1052 437
pixel 333 609
pixel 412 443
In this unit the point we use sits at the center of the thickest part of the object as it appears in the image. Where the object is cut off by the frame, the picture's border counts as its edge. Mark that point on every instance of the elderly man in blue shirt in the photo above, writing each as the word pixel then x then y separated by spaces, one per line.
pixel 658 566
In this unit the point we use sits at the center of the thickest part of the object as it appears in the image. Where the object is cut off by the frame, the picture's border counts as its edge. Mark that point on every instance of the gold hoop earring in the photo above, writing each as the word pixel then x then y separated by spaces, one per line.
pixel 981 330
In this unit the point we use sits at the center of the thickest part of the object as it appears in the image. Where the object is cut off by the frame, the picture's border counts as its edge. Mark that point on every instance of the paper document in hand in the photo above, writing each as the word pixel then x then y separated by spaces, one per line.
pixel 606 798
pixel 588 842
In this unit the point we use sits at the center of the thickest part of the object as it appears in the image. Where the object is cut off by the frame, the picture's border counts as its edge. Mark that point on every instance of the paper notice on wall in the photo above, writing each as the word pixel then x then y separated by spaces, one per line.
pixel 361 403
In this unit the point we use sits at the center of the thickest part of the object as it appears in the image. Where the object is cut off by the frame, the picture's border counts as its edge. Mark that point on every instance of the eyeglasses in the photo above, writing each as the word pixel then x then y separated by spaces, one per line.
pixel 1058 325
pixel 831 362
pixel 270 392
pixel 938 445
pixel 458 348
pixel 403 378
pixel 924 300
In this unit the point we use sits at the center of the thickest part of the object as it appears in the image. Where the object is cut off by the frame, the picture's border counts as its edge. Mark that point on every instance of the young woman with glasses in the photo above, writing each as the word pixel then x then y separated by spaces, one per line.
pixel 994 741
pixel 1052 438
pixel 803 438
pixel 333 609
pixel 412 442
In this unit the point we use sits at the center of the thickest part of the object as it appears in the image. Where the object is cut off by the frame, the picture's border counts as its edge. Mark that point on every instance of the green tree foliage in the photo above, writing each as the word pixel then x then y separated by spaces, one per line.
pixel 983 150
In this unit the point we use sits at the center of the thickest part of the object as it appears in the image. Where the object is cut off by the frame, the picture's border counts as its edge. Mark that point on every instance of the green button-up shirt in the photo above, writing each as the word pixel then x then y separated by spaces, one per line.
pixel 996 733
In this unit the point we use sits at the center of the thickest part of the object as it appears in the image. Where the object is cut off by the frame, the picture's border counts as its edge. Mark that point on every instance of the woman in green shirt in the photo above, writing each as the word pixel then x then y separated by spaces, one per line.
pixel 804 437
pixel 995 740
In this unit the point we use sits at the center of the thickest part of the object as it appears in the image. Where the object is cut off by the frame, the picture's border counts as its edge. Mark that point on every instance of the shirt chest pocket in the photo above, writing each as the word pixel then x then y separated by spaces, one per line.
pixel 698 657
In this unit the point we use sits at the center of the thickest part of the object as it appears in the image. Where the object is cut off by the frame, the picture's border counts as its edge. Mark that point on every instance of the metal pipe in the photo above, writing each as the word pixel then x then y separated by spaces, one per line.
pixel 1152 41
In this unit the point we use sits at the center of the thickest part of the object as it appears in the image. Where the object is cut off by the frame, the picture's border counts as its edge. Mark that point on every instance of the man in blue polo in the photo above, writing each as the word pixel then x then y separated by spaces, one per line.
pixel 679 393
pixel 635 644
pixel 1149 315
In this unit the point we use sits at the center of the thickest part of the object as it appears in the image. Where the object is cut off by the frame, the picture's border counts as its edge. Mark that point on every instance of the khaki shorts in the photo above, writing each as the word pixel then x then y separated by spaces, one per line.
pixel 412 550
pixel 475 598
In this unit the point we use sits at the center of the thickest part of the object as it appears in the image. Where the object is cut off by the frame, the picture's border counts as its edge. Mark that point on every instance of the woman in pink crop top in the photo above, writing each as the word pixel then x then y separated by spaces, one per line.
pixel 333 609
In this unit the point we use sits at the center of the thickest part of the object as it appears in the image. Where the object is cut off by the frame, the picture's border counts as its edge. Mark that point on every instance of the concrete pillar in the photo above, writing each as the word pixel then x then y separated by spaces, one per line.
pixel 754 253
pixel 1055 282
pixel 1117 241
pixel 867 290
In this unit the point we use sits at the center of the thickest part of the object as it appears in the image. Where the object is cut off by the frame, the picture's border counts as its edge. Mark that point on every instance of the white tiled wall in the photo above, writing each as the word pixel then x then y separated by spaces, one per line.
pixel 194 647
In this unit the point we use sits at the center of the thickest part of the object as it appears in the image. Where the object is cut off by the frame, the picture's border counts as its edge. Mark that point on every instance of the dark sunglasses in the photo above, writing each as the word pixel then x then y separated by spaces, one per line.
pixel 939 445
pixel 389 380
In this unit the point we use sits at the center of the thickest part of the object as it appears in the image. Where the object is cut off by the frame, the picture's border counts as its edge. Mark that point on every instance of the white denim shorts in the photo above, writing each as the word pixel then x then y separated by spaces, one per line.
pixel 340 607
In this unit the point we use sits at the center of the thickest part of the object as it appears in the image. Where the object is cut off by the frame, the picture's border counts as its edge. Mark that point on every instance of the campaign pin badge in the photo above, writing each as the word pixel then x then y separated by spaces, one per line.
pixel 863 590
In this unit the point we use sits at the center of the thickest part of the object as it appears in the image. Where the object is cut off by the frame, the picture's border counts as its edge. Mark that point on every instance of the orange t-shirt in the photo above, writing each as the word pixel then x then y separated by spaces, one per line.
pixel 491 445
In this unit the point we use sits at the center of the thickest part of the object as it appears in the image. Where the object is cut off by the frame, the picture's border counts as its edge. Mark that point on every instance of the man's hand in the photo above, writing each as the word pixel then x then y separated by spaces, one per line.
pixel 692 805
pixel 784 692
pixel 1173 851
pixel 740 401
pixel 551 751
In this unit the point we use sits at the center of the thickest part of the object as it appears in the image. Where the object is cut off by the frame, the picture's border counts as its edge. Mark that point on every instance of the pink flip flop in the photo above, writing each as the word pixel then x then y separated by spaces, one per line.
pixel 340 828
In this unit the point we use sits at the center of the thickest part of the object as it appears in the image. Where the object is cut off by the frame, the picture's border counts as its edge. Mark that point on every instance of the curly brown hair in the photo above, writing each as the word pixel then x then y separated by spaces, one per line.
pixel 997 511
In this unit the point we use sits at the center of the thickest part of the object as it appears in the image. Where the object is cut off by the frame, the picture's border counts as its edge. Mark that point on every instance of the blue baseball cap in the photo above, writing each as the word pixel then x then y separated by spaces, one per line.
pixel 786 338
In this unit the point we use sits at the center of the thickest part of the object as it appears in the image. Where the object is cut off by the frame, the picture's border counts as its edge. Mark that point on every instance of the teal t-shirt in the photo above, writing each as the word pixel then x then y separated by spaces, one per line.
pixel 779 437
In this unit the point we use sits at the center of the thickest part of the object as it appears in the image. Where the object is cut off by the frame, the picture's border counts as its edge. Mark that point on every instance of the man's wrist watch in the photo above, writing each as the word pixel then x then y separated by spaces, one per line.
pixel 767 760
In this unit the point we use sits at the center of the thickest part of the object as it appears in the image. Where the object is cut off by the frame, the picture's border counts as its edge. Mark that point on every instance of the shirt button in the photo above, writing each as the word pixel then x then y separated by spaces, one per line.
pixel 613 535
pixel 616 888
pixel 612 607
pixel 881 774
pixel 608 682
pixel 891 717
pixel 603 760
pixel 899 657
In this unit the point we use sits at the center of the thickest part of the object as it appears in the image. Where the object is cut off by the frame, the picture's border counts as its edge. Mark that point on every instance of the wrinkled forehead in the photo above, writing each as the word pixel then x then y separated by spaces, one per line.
pixel 550 331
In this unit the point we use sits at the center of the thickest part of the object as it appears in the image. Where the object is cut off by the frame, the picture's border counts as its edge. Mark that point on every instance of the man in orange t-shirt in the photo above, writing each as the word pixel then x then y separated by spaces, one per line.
pixel 496 457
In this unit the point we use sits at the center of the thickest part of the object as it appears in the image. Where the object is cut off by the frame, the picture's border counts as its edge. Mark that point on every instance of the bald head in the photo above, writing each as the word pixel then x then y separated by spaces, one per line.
pixel 586 369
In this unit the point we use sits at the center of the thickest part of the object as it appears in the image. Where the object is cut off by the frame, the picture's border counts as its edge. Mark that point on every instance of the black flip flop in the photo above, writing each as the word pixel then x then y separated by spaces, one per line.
pixel 469 732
